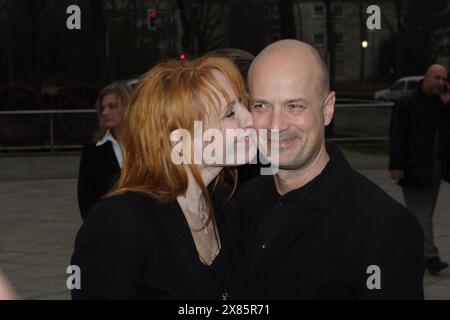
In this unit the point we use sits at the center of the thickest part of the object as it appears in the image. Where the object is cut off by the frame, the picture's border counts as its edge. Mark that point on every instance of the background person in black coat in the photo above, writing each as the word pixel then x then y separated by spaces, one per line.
pixel 317 229
pixel 419 152
pixel 162 233
pixel 101 161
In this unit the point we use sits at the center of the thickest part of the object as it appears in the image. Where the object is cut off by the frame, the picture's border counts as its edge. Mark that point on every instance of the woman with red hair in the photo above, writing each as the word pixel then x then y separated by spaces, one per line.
pixel 162 233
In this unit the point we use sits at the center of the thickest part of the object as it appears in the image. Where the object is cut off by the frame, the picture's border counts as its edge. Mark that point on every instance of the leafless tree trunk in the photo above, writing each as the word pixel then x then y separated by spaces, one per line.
pixel 99 27
pixel 330 42
pixel 201 20
pixel 7 15
pixel 399 7
pixel 34 7
pixel 287 19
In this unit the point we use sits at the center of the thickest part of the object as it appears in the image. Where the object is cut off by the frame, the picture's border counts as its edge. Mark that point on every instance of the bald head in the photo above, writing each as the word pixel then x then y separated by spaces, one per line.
pixel 435 80
pixel 292 56
pixel 435 68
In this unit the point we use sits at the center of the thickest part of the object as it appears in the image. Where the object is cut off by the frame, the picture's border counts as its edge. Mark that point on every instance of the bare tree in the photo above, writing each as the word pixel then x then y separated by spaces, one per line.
pixel 34 8
pixel 114 22
pixel 417 22
pixel 201 21
pixel 330 42
pixel 287 20
pixel 99 25
pixel 6 17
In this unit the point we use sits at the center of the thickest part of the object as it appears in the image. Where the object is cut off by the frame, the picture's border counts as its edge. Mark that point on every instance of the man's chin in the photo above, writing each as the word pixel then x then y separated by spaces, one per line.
pixel 287 163
pixel 288 166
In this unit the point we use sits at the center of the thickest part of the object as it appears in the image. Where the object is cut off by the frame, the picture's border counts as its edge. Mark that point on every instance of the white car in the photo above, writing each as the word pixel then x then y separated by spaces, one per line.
pixel 130 82
pixel 400 88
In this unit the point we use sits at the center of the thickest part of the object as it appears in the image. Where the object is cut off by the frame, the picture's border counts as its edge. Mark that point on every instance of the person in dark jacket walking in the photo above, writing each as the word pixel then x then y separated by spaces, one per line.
pixel 316 229
pixel 418 152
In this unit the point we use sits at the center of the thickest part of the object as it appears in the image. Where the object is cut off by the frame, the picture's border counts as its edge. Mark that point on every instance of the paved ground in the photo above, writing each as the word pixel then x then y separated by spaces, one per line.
pixel 39 219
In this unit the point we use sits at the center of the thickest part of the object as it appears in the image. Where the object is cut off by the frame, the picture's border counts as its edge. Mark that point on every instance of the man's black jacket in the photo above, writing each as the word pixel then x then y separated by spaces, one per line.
pixel 333 243
pixel 414 123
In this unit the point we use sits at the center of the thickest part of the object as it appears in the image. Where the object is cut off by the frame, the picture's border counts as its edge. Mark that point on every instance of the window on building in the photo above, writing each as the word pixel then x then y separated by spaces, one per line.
pixel 319 39
pixel 337 12
pixel 275 13
pixel 318 11
pixel 271 13
pixel 338 39
pixel 267 13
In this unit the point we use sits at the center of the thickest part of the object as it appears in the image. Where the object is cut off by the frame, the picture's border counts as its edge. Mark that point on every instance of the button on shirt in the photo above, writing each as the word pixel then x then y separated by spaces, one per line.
pixel 275 216
pixel 116 147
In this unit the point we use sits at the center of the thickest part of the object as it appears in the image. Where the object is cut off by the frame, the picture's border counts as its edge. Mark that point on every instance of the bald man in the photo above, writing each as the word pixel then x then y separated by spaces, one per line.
pixel 317 229
pixel 418 153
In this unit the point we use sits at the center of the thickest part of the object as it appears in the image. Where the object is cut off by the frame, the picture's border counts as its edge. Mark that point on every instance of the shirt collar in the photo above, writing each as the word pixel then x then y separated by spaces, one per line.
pixel 107 137
pixel 322 188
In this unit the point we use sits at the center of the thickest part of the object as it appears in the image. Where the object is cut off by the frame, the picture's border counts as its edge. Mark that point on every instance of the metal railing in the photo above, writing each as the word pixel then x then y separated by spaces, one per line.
pixel 343 113
pixel 51 113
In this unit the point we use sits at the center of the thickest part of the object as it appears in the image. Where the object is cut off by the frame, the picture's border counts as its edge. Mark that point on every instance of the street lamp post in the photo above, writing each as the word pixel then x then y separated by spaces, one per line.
pixel 364 45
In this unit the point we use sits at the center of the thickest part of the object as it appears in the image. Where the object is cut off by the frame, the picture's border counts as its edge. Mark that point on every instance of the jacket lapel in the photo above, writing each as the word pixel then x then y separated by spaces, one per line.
pixel 111 155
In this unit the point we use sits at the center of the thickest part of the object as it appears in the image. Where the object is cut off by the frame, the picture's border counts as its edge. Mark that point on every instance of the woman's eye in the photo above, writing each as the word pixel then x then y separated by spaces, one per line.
pixel 229 115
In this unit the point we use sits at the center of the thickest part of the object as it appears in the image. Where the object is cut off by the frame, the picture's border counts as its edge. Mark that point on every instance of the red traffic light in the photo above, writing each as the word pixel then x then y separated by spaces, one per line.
pixel 152 19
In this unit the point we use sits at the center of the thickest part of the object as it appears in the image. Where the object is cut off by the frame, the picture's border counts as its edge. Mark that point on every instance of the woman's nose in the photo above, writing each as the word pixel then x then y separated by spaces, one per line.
pixel 246 119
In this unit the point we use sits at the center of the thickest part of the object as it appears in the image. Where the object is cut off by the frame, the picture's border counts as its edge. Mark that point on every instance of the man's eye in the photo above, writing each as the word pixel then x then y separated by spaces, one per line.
pixel 296 106
pixel 257 106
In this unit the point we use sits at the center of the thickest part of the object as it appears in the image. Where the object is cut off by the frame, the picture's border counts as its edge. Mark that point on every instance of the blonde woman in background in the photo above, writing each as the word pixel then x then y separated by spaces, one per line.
pixel 101 161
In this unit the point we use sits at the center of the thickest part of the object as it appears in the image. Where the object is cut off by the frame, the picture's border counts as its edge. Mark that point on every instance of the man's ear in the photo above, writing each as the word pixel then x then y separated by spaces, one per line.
pixel 328 107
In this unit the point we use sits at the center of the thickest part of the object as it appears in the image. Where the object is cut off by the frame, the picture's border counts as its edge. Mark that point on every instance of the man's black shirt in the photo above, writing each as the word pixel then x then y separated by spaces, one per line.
pixel 275 216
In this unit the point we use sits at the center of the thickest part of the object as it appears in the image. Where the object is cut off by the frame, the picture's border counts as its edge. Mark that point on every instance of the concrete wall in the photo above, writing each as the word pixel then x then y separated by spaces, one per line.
pixel 45 166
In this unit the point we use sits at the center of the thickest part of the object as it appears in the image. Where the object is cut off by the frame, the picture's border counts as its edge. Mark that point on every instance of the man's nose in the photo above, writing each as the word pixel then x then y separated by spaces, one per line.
pixel 277 120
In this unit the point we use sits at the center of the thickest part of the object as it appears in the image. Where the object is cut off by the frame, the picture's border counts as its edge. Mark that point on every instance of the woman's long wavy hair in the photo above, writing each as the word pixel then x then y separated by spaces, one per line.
pixel 171 96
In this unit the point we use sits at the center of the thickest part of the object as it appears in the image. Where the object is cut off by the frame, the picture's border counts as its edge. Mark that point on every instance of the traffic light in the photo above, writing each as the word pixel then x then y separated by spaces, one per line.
pixel 152 17
pixel 184 56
